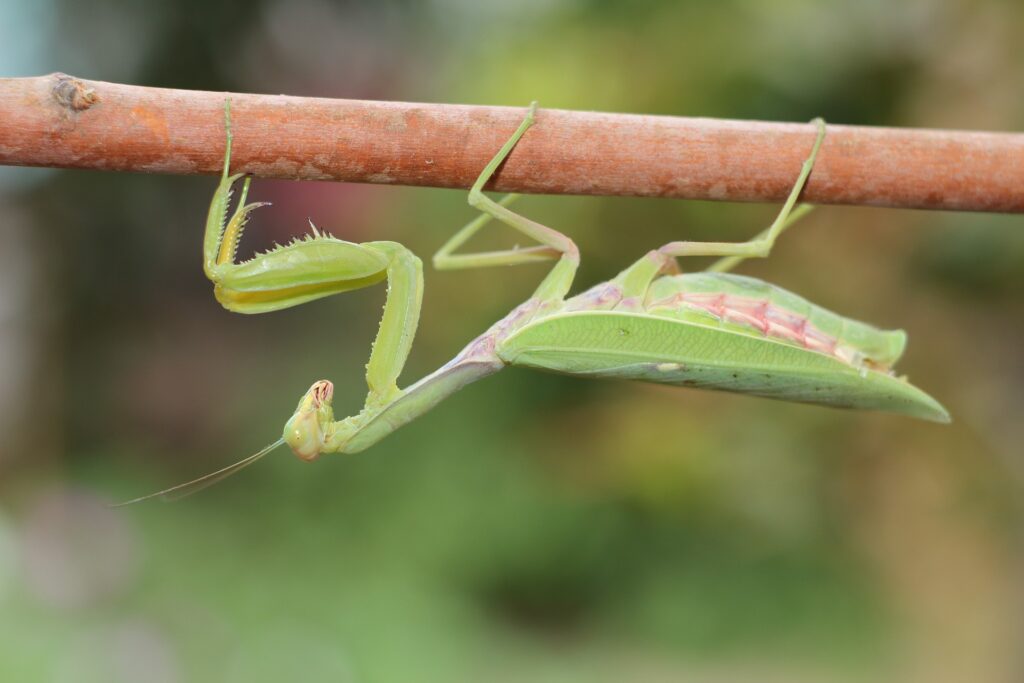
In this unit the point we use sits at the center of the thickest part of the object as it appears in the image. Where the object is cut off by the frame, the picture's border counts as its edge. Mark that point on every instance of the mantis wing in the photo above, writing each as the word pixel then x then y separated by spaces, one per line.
pixel 637 346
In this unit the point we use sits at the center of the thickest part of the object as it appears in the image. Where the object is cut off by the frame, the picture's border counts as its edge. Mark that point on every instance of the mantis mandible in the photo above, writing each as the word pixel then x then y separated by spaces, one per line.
pixel 708 329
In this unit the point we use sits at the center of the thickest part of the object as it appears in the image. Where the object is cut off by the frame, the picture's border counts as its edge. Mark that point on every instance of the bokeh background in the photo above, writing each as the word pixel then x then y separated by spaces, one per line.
pixel 533 527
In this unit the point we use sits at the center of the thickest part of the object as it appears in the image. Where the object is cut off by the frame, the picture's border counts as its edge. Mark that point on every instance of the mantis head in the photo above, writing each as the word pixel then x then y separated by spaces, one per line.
pixel 306 432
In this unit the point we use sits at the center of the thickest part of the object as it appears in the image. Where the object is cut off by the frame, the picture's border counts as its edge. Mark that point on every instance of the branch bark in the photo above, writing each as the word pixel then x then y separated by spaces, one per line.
pixel 65 122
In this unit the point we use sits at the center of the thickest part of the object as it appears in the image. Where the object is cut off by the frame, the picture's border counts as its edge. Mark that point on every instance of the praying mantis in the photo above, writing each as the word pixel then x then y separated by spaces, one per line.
pixel 708 329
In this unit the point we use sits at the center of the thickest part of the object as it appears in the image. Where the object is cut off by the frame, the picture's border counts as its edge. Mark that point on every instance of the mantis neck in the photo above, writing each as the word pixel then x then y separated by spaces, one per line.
pixel 361 431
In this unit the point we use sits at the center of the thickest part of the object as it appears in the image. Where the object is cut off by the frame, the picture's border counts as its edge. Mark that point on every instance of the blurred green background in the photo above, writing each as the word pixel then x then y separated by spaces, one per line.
pixel 533 527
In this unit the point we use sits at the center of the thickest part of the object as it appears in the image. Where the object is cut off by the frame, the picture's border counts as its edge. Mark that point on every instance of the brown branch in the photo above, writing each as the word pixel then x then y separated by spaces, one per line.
pixel 64 122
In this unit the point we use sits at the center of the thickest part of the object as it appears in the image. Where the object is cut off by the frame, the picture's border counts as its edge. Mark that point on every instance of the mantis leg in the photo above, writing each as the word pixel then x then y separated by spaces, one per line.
pixel 444 259
pixel 634 280
pixel 761 245
pixel 553 244
pixel 727 263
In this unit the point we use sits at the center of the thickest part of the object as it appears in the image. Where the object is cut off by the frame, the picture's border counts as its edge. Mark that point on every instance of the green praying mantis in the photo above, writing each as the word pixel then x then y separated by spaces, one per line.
pixel 709 329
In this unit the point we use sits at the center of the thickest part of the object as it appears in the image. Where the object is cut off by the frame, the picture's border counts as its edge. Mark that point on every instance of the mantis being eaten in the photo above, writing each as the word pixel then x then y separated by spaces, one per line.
pixel 709 329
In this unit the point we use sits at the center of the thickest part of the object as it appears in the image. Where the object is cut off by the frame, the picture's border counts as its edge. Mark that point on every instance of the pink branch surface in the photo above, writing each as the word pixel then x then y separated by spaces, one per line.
pixel 64 122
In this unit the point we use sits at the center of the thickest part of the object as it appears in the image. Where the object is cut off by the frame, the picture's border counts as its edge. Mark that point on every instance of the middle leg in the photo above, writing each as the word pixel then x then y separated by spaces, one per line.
pixel 553 244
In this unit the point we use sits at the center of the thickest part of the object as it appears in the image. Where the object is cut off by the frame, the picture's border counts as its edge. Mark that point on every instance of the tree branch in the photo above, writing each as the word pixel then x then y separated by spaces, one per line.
pixel 64 122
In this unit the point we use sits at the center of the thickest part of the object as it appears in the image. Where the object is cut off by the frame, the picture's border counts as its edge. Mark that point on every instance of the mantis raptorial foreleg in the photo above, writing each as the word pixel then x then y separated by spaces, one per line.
pixel 311 268
pixel 634 280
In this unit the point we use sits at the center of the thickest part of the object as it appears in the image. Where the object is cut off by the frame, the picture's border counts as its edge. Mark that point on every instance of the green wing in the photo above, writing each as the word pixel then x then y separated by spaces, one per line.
pixel 643 347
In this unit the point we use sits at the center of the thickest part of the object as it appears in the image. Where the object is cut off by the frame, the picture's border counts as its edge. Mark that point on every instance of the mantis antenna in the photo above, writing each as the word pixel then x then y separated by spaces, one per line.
pixel 190 487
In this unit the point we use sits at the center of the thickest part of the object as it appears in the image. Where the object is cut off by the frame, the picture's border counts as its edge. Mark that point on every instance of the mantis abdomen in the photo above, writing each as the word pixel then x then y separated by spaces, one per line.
pixel 750 306
pixel 726 332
